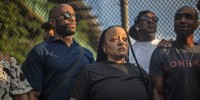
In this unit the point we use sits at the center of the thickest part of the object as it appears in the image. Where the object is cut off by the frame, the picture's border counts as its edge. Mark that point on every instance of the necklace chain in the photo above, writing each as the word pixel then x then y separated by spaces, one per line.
pixel 190 60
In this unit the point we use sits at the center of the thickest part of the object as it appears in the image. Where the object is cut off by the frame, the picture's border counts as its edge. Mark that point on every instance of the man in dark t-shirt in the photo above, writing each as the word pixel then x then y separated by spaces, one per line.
pixel 175 71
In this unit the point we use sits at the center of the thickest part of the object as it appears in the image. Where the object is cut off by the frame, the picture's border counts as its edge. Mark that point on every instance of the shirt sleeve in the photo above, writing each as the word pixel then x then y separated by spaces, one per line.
pixel 33 70
pixel 157 62
pixel 80 91
pixel 18 83
pixel 131 58
pixel 88 54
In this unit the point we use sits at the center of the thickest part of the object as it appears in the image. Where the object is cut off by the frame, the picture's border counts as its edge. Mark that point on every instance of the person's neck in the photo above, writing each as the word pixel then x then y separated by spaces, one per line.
pixel 119 61
pixel 188 41
pixel 68 40
pixel 145 39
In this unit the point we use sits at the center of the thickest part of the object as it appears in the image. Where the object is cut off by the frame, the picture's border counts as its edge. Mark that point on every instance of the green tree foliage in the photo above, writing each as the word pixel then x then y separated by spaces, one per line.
pixel 21 31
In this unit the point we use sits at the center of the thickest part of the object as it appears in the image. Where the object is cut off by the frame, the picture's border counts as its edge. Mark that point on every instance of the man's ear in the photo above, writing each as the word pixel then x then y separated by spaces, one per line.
pixel 137 28
pixel 52 22
pixel 197 24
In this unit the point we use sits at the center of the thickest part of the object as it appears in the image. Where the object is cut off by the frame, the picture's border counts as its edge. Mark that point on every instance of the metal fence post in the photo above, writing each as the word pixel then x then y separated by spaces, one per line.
pixel 124 14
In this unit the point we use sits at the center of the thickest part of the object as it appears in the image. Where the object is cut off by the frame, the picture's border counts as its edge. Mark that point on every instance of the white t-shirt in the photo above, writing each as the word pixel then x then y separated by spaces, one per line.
pixel 143 52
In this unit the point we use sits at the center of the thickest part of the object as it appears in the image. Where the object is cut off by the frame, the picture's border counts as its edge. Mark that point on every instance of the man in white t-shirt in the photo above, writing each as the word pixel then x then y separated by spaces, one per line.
pixel 143 32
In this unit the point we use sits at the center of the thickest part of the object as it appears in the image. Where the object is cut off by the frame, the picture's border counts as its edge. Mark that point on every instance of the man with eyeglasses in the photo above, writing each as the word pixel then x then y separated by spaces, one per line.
pixel 51 67
pixel 143 31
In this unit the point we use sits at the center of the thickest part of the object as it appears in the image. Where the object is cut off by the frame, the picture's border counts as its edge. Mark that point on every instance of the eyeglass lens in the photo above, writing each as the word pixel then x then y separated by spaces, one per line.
pixel 68 15
pixel 147 18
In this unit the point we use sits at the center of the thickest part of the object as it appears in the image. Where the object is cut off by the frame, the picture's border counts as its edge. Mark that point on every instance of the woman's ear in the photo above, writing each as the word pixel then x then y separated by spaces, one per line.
pixel 104 49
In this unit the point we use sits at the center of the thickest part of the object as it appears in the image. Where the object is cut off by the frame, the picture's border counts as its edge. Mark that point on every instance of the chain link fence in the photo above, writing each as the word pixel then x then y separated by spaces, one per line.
pixel 20 20
pixel 108 13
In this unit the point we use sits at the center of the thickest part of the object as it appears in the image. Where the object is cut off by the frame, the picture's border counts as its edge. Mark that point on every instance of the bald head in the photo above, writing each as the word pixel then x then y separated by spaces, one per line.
pixel 192 10
pixel 58 9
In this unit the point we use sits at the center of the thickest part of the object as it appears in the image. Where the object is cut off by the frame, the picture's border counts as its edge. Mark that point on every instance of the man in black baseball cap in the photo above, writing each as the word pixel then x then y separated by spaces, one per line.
pixel 49 30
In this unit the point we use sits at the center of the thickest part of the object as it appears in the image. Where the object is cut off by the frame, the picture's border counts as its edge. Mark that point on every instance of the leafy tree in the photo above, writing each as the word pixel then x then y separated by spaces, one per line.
pixel 21 30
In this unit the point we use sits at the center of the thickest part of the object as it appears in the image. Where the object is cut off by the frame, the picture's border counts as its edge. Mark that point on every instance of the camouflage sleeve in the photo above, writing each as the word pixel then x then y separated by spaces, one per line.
pixel 4 81
pixel 19 84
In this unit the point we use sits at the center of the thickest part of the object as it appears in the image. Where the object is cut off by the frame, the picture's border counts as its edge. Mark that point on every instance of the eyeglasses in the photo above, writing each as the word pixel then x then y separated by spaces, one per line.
pixel 147 18
pixel 67 15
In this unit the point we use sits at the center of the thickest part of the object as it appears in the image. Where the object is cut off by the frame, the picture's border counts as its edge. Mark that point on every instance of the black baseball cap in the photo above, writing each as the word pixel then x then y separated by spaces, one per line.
pixel 46 26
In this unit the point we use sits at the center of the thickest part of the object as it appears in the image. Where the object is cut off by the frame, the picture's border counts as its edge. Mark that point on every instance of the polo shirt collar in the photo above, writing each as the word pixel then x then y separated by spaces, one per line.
pixel 61 42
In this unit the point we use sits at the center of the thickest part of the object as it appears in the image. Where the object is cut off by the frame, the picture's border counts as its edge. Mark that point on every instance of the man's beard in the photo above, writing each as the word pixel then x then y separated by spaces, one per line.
pixel 63 30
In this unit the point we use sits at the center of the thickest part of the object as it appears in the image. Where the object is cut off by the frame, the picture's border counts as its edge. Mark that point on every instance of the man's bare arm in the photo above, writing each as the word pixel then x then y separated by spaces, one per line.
pixel 33 95
pixel 158 87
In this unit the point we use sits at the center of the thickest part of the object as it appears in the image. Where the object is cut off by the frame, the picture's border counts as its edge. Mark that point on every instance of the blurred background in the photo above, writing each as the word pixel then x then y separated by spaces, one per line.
pixel 20 20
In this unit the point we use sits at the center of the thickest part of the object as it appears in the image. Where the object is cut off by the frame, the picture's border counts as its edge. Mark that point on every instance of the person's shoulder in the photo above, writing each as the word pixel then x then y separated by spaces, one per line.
pixel 15 65
pixel 86 51
pixel 95 65
pixel 137 44
pixel 41 45
pixel 136 68
pixel 10 63
pixel 96 68
pixel 39 48
pixel 131 64
pixel 161 51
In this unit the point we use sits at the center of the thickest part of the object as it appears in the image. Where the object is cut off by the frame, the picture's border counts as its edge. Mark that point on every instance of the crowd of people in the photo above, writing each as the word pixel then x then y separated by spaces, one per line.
pixel 60 69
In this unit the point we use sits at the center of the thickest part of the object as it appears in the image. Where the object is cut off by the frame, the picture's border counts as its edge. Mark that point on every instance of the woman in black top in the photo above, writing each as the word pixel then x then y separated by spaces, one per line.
pixel 111 77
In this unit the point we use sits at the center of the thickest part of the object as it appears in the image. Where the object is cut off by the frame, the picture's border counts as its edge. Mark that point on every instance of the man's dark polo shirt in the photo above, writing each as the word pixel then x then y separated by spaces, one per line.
pixel 49 62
